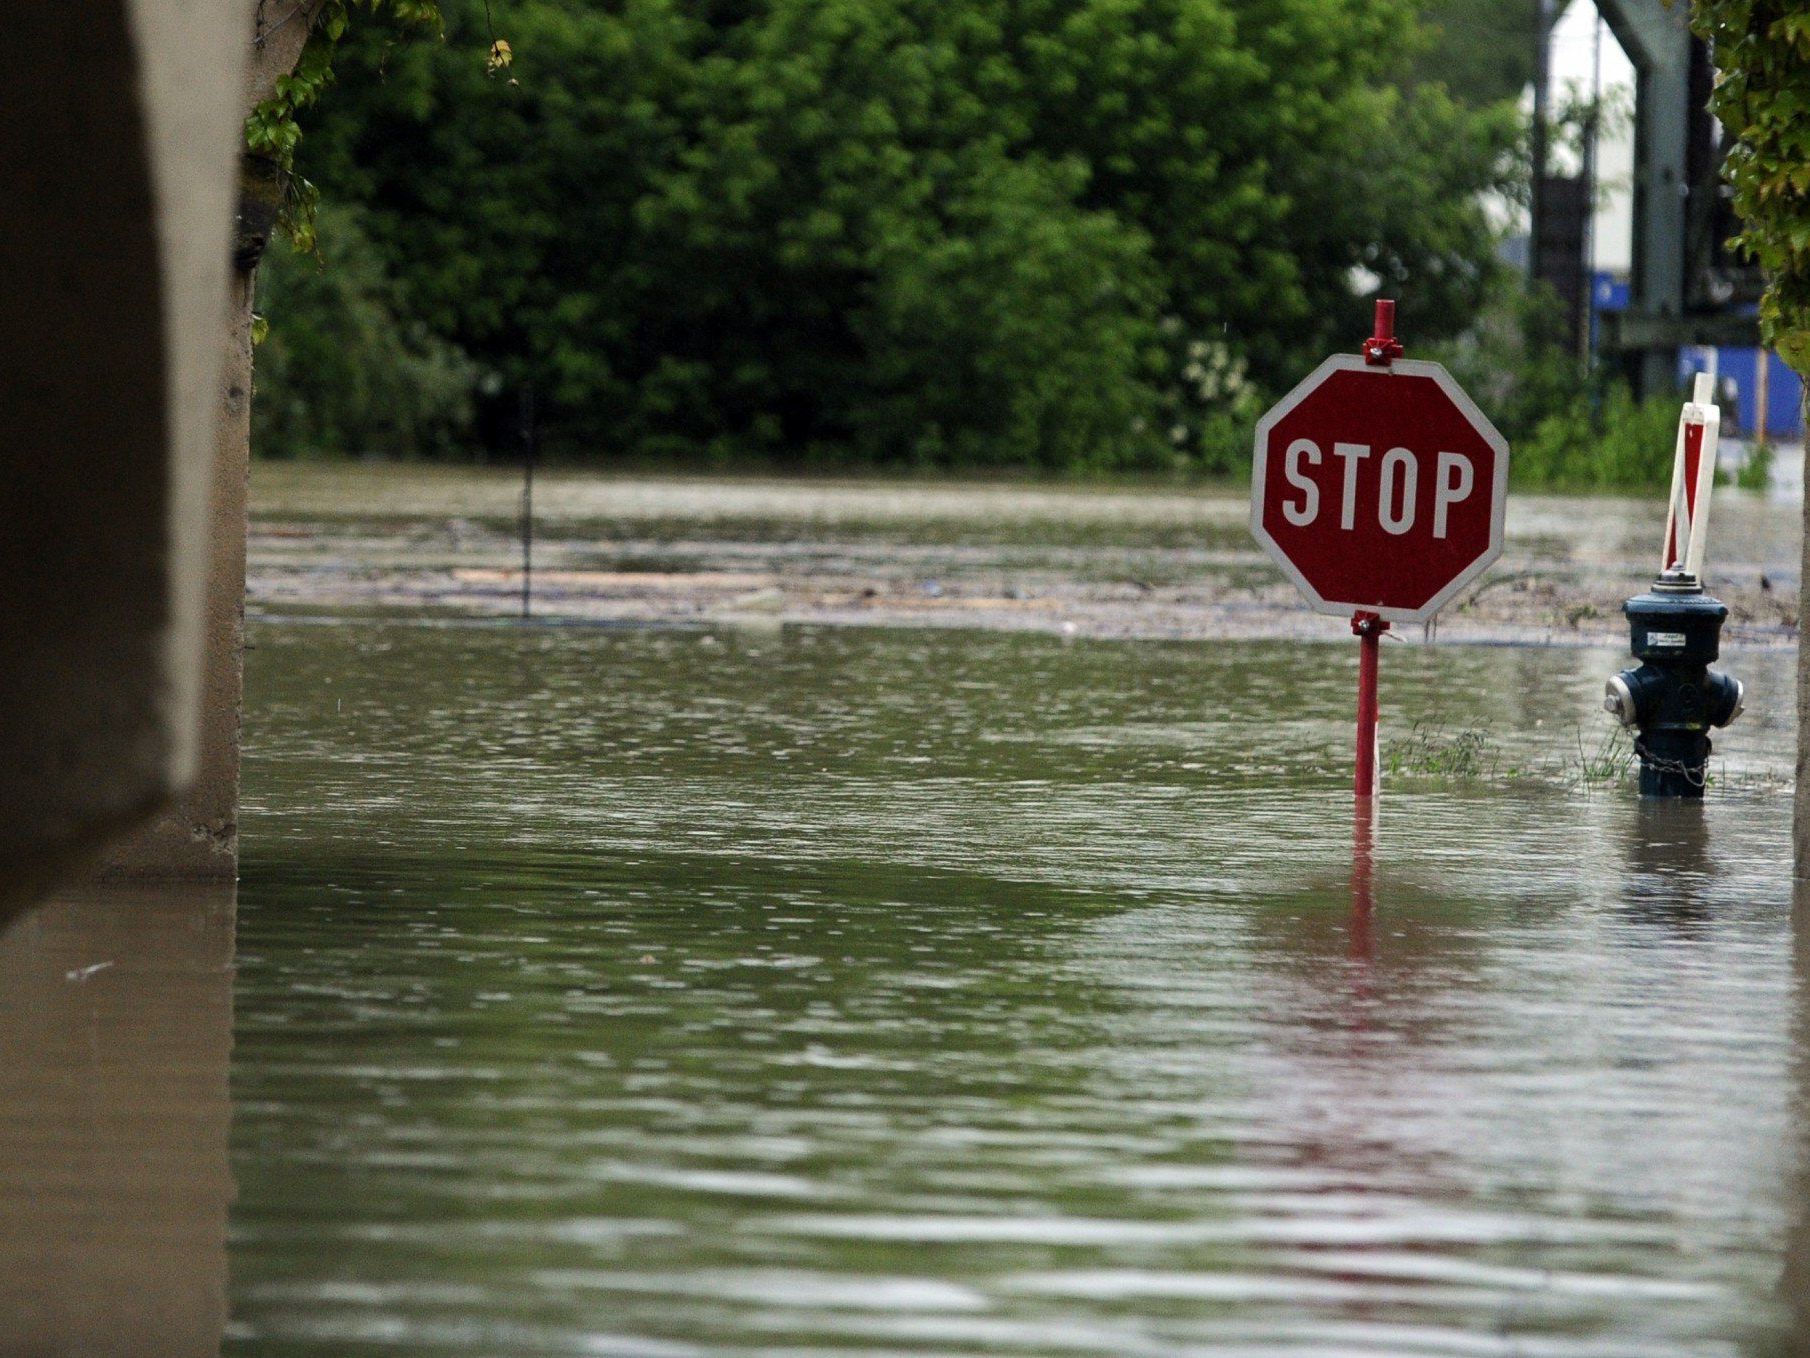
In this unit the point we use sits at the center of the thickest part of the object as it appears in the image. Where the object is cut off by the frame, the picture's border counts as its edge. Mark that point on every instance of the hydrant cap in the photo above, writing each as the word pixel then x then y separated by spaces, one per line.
pixel 1675 627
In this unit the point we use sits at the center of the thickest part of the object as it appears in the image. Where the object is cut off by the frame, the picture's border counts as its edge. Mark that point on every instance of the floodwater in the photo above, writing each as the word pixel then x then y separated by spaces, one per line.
pixel 116 1011
pixel 1148 563
pixel 754 987
pixel 870 991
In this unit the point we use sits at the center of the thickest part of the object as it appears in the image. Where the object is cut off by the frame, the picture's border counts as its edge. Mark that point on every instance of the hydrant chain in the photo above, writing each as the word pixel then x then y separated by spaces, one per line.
pixel 1697 777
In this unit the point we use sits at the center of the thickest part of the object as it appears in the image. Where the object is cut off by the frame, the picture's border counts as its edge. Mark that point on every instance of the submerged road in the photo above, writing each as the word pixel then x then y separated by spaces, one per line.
pixel 1075 560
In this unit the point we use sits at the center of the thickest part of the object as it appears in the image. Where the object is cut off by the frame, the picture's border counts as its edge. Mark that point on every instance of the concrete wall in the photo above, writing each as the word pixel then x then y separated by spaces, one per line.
pixel 120 159
pixel 197 836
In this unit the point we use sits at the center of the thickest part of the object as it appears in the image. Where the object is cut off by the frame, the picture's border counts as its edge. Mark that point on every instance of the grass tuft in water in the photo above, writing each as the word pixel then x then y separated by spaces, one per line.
pixel 1429 750
pixel 1608 762
pixel 1471 754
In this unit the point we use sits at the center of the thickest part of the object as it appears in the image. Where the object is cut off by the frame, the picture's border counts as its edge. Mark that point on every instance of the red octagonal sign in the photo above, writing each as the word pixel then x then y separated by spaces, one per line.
pixel 1379 489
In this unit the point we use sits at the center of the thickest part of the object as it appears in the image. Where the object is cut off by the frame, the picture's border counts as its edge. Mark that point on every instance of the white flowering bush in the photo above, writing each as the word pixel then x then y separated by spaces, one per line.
pixel 1211 405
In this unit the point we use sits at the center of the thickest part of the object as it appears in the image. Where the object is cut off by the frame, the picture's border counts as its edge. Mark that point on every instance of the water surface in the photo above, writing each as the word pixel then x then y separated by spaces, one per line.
pixel 1150 562
pixel 778 990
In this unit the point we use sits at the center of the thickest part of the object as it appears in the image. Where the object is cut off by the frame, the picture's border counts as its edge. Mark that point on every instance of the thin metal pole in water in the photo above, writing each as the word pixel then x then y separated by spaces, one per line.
pixel 1369 629
pixel 528 449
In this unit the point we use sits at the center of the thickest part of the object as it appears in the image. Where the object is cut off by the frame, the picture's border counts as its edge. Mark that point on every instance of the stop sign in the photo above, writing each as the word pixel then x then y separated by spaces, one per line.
pixel 1379 489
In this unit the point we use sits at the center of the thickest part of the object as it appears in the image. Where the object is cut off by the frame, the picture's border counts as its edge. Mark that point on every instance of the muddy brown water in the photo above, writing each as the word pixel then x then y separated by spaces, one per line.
pixel 735 985
pixel 1138 563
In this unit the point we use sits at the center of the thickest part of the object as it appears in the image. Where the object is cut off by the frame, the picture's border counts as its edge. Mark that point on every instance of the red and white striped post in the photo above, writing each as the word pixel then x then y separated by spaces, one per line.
pixel 1693 479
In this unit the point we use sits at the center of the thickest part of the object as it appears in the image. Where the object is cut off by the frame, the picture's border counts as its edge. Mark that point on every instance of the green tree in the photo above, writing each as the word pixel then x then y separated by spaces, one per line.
pixel 933 231
pixel 1762 97
pixel 342 369
pixel 1482 50
pixel 1762 55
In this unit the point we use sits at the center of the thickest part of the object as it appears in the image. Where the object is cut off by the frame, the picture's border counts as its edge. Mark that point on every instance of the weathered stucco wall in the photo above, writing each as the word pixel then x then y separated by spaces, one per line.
pixel 198 836
pixel 120 161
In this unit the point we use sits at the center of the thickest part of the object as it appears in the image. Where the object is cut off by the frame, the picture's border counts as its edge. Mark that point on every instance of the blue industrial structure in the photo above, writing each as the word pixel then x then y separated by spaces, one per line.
pixel 1735 365
pixel 1784 397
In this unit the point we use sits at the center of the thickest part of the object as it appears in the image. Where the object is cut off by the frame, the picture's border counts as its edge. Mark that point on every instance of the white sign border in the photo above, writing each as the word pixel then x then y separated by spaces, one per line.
pixel 1404 367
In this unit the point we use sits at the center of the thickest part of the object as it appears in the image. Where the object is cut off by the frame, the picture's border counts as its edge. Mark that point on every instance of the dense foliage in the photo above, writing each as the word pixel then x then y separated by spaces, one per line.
pixel 1482 49
pixel 273 128
pixel 1762 55
pixel 1601 440
pixel 1058 233
pixel 397 389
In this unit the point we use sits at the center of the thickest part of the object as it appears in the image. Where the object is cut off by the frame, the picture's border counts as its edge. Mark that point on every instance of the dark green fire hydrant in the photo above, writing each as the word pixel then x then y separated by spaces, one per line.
pixel 1674 698
pixel 1675 629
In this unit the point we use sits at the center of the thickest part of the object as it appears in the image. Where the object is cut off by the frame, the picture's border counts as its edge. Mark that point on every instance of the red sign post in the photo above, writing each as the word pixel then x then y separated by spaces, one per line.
pixel 1380 488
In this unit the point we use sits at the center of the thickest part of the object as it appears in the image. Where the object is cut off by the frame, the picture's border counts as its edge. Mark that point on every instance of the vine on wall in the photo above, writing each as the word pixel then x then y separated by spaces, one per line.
pixel 272 130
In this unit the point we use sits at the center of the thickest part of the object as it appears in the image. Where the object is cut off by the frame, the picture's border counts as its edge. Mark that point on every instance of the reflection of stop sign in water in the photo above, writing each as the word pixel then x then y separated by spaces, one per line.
pixel 1379 489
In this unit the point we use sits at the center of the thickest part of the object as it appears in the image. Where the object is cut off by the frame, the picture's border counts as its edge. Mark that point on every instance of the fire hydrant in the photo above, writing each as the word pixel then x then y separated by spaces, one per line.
pixel 1674 698
pixel 1675 629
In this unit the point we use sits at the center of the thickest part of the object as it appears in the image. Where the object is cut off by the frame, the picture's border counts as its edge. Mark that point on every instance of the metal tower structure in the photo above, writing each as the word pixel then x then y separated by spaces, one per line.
pixel 1686 289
